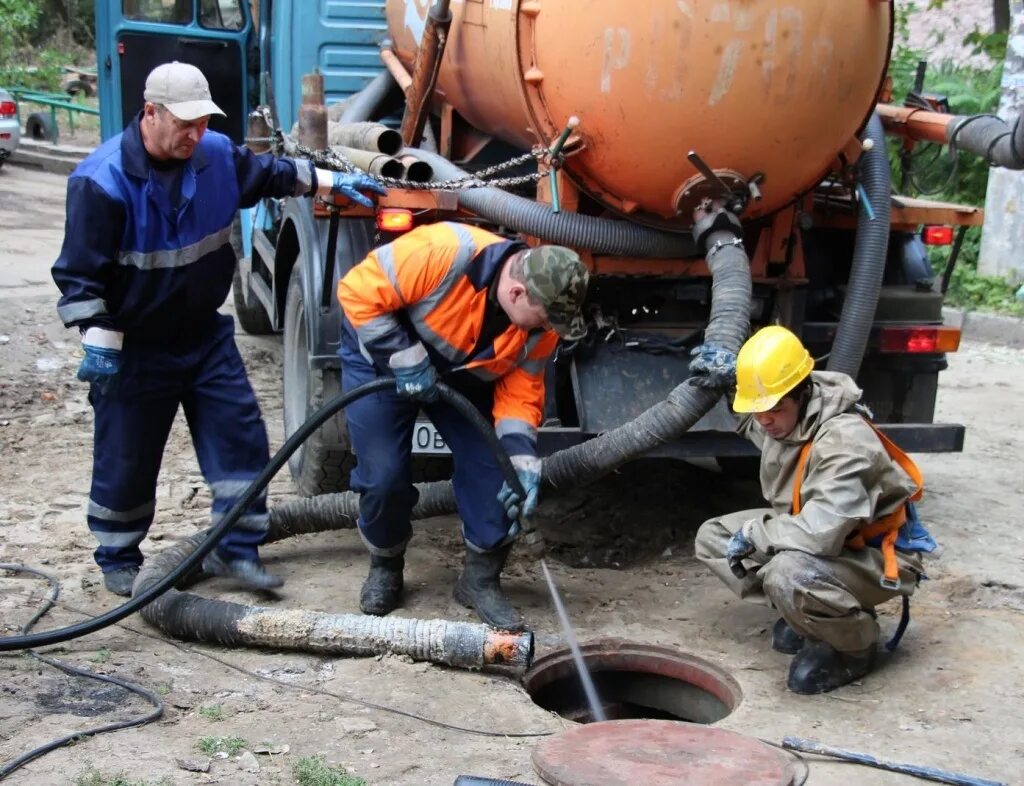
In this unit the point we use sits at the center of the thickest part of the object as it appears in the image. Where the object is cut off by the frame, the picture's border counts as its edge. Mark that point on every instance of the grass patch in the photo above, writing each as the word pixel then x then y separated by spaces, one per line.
pixel 93 777
pixel 213 712
pixel 101 656
pixel 314 771
pixel 229 745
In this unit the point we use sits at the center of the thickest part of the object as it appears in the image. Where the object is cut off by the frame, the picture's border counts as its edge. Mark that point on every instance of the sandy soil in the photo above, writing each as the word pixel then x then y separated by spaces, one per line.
pixel 622 554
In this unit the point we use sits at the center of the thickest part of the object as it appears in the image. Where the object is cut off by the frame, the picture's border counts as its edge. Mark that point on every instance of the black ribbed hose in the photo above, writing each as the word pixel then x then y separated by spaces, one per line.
pixel 991 137
pixel 869 255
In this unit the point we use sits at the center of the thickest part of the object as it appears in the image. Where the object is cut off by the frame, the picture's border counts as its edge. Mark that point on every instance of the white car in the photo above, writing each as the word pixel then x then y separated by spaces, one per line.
pixel 10 132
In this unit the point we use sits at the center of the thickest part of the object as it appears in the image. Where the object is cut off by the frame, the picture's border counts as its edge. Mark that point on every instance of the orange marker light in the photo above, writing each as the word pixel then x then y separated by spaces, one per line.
pixel 937 236
pixel 394 219
pixel 920 340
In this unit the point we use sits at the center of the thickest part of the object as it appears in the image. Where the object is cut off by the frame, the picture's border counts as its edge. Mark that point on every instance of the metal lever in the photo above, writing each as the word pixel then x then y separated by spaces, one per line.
pixel 553 152
pixel 709 175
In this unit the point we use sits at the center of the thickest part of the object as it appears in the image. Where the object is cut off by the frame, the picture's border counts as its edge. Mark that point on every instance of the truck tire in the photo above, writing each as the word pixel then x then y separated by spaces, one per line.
pixel 323 464
pixel 252 316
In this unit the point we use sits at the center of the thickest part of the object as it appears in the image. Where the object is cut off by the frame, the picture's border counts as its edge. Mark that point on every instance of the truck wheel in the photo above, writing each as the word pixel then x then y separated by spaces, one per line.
pixel 323 464
pixel 252 316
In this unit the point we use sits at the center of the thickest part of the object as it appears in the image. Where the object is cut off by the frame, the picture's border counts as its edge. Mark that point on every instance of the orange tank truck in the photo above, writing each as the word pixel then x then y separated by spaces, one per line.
pixel 755 87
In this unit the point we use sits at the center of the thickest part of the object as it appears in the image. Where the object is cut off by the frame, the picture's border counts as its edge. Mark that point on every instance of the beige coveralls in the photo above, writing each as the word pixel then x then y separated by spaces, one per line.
pixel 801 567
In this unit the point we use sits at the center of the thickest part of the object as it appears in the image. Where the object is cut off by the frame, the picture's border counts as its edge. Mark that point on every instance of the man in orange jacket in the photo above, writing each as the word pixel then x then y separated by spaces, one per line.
pixel 486 313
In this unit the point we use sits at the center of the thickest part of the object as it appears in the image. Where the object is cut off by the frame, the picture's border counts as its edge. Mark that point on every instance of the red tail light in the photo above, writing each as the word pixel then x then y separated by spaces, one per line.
pixel 394 219
pixel 8 109
pixel 916 340
pixel 937 236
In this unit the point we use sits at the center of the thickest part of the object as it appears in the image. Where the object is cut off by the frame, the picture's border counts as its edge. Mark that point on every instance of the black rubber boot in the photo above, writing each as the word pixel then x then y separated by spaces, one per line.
pixel 120 581
pixel 818 668
pixel 383 586
pixel 785 639
pixel 248 572
pixel 479 587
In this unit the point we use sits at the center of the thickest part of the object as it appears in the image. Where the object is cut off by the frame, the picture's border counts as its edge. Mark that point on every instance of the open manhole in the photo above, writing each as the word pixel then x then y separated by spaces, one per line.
pixel 633 681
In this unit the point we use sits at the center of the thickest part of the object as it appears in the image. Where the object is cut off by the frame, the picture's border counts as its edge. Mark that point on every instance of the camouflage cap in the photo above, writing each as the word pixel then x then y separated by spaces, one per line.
pixel 556 277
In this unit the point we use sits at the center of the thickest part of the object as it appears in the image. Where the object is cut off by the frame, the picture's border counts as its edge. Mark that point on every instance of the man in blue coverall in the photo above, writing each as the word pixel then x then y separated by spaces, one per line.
pixel 147 260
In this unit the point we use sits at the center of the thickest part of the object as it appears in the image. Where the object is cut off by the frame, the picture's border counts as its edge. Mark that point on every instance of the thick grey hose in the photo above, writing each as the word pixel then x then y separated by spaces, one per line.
pixel 869 254
pixel 600 235
pixel 667 420
pixel 362 105
pixel 990 137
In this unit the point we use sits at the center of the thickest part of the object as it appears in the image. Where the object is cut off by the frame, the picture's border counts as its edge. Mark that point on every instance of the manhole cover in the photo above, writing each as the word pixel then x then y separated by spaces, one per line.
pixel 633 681
pixel 658 753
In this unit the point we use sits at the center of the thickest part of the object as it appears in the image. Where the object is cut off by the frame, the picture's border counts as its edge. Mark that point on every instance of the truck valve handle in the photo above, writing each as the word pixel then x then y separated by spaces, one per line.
pixel 553 152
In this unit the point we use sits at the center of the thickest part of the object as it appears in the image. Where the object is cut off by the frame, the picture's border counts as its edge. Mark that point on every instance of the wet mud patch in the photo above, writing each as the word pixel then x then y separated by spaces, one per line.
pixel 84 699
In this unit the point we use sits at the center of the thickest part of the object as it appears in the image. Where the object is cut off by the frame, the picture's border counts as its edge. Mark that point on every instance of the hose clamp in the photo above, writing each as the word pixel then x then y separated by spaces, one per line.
pixel 719 245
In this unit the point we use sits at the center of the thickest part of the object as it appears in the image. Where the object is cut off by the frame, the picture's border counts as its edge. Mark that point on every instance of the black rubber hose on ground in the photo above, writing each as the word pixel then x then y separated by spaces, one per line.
pixel 869 255
pixel 181 572
pixel 991 137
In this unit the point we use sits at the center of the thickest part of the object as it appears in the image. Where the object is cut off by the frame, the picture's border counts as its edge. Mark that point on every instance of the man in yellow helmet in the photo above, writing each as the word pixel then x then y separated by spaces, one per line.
pixel 800 555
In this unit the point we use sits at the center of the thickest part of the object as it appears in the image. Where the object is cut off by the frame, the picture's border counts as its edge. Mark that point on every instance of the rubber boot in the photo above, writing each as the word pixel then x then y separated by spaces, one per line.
pixel 383 586
pixel 818 668
pixel 785 639
pixel 120 581
pixel 479 587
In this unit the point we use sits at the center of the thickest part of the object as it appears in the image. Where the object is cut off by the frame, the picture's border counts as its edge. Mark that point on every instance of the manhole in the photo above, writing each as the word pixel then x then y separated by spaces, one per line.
pixel 634 681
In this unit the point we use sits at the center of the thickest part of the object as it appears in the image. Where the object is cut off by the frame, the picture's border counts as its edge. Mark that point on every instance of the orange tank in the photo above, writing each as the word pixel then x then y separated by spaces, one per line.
pixel 776 87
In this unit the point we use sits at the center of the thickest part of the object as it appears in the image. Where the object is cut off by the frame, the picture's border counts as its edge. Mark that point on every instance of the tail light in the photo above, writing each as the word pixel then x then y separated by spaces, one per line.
pixel 920 340
pixel 937 236
pixel 8 109
pixel 394 219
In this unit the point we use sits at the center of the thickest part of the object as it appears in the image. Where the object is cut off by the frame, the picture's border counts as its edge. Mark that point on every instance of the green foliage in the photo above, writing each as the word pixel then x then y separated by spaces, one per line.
pixel 93 777
pixel 314 771
pixel 213 712
pixel 969 289
pixel 102 655
pixel 212 745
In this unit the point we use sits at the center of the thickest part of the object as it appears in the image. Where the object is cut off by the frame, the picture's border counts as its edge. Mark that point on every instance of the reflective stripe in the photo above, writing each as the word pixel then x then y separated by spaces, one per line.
pixel 438 342
pixel 83 309
pixel 303 177
pixel 119 540
pixel 533 366
pixel 467 250
pixel 377 328
pixel 253 522
pixel 386 260
pixel 482 372
pixel 96 510
pixel 231 489
pixel 176 257
pixel 508 426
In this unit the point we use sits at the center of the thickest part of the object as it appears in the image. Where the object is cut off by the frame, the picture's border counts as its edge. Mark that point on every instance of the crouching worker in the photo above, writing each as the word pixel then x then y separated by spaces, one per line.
pixel 486 313
pixel 835 542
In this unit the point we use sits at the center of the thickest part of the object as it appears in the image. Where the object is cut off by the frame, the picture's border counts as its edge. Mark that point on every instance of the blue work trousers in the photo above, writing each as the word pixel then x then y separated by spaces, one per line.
pixel 207 379
pixel 381 426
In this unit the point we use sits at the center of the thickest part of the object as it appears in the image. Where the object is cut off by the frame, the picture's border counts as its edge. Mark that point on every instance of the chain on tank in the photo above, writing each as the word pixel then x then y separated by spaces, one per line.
pixel 332 159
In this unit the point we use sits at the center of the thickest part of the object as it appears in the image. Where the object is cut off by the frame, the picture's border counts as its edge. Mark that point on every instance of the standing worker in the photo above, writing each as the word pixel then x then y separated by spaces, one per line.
pixel 487 313
pixel 836 541
pixel 147 260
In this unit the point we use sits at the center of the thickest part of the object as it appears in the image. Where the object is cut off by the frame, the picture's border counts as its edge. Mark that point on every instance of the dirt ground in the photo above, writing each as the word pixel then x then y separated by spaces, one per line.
pixel 621 551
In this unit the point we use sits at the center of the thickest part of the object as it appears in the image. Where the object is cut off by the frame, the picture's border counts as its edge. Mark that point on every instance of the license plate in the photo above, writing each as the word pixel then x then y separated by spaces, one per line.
pixel 427 440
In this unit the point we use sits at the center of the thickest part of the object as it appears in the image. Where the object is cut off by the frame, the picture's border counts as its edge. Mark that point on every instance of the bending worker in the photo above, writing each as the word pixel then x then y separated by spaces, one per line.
pixel 147 260
pixel 834 543
pixel 486 313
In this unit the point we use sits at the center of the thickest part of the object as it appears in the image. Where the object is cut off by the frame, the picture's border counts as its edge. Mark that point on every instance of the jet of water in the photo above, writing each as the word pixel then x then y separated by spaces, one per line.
pixel 596 710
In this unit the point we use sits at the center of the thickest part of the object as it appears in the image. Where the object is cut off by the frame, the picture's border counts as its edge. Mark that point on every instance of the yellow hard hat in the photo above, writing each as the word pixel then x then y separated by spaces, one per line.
pixel 769 365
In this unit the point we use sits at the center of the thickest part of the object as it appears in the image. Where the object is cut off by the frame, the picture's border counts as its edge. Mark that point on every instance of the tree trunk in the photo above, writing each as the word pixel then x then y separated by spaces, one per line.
pixel 1001 15
pixel 1004 201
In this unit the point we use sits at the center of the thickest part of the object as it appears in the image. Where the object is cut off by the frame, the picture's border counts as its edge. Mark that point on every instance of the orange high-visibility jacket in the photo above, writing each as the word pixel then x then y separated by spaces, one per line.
pixel 438 276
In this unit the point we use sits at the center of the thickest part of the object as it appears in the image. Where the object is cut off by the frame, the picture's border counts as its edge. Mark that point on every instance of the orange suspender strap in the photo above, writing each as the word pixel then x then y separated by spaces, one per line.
pixel 887 526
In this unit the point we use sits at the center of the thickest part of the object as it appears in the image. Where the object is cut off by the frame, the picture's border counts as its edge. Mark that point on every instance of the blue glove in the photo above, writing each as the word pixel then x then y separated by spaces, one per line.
pixel 713 367
pixel 529 476
pixel 101 366
pixel 350 183
pixel 738 548
pixel 418 382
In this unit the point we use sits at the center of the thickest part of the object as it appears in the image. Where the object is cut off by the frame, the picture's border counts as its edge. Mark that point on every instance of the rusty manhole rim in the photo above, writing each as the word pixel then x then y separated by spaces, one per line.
pixel 606 654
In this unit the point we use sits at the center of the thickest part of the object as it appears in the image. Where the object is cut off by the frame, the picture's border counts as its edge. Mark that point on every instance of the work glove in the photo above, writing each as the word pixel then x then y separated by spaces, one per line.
pixel 739 547
pixel 713 367
pixel 528 471
pixel 101 366
pixel 349 184
pixel 415 377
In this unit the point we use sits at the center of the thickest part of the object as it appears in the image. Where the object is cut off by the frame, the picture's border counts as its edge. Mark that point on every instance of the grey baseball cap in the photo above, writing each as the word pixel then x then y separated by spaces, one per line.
pixel 181 88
